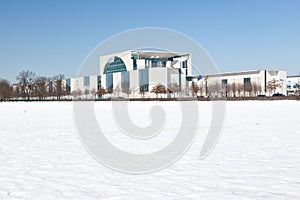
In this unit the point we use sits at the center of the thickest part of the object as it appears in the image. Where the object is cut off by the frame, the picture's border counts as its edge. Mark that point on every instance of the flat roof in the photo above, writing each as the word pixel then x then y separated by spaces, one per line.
pixel 152 54
pixel 235 73
pixel 159 54
pixel 294 76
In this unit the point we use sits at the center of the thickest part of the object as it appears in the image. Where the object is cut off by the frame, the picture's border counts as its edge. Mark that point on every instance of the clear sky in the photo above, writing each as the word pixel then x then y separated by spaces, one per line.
pixel 51 37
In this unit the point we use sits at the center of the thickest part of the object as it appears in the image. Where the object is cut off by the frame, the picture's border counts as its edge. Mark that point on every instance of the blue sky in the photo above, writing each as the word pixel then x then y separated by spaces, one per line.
pixel 51 37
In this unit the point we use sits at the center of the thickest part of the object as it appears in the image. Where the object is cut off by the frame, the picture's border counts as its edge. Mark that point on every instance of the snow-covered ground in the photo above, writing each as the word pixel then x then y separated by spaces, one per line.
pixel 257 157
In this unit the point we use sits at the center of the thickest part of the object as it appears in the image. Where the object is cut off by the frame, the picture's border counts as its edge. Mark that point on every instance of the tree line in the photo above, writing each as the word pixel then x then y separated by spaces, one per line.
pixel 247 89
pixel 29 85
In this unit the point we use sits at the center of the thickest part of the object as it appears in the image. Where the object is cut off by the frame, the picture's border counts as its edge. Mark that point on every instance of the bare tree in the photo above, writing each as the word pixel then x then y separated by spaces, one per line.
pixel 247 88
pixel 273 85
pixel 255 88
pixel 233 89
pixel 194 88
pixel 94 92
pixel 117 90
pixel 143 90
pixel 259 89
pixel 5 90
pixel 101 92
pixel 110 90
pixel 215 88
pixel 40 87
pixel 77 93
pixel 170 91
pixel 59 85
pixel 174 88
pixel 16 92
pixel 26 80
pixel 229 89
pixel 201 89
pixel 240 88
pixel 224 89
pixel 127 91
pixel 86 92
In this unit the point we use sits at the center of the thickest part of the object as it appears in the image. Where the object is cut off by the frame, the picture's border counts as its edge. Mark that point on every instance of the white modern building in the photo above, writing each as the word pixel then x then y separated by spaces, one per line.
pixel 136 72
pixel 293 85
pixel 241 84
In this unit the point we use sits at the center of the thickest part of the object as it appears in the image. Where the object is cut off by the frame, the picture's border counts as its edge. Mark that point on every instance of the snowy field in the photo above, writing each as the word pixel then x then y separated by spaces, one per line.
pixel 257 156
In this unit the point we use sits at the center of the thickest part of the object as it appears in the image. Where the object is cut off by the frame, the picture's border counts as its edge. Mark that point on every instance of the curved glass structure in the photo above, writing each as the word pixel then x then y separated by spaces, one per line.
pixel 115 64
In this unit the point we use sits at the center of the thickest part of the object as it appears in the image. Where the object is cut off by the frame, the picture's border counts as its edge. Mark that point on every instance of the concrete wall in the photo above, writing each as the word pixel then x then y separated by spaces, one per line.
pixel 258 77
pixel 134 81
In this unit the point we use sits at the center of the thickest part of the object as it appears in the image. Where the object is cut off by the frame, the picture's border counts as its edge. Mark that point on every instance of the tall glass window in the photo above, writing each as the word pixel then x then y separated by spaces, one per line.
pixel 99 82
pixel 184 64
pixel 109 80
pixel 144 80
pixel 68 85
pixel 86 81
pixel 134 57
pixel 125 81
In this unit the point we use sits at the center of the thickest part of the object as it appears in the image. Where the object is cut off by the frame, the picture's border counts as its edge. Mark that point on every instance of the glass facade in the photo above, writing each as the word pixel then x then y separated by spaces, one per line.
pixel 109 80
pixel 116 64
pixel 247 80
pixel 68 85
pixel 99 82
pixel 134 57
pixel 125 80
pixel 155 62
pixel 86 81
pixel 144 80
pixel 184 64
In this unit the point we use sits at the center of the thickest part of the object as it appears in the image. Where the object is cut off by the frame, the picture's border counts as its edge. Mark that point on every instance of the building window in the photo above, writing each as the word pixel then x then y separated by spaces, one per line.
pixel 224 82
pixel 224 87
pixel 114 64
pixel 86 81
pixel 109 81
pixel 125 81
pixel 184 64
pixel 144 80
pixel 134 57
pixel 134 64
pixel 247 80
pixel 98 82
pixel 68 85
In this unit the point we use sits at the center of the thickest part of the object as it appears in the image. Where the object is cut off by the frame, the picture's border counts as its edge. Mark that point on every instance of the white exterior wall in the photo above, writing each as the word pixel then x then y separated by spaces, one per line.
pixel 103 81
pixel 94 82
pixel 293 84
pixel 257 77
pixel 117 80
pixel 174 76
pixel 189 65
pixel 158 75
pixel 278 75
pixel 134 81
pixel 77 84
pixel 140 64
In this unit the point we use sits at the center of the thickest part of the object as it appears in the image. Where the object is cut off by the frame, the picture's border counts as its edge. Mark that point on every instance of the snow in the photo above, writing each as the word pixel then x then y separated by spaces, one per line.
pixel 257 156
